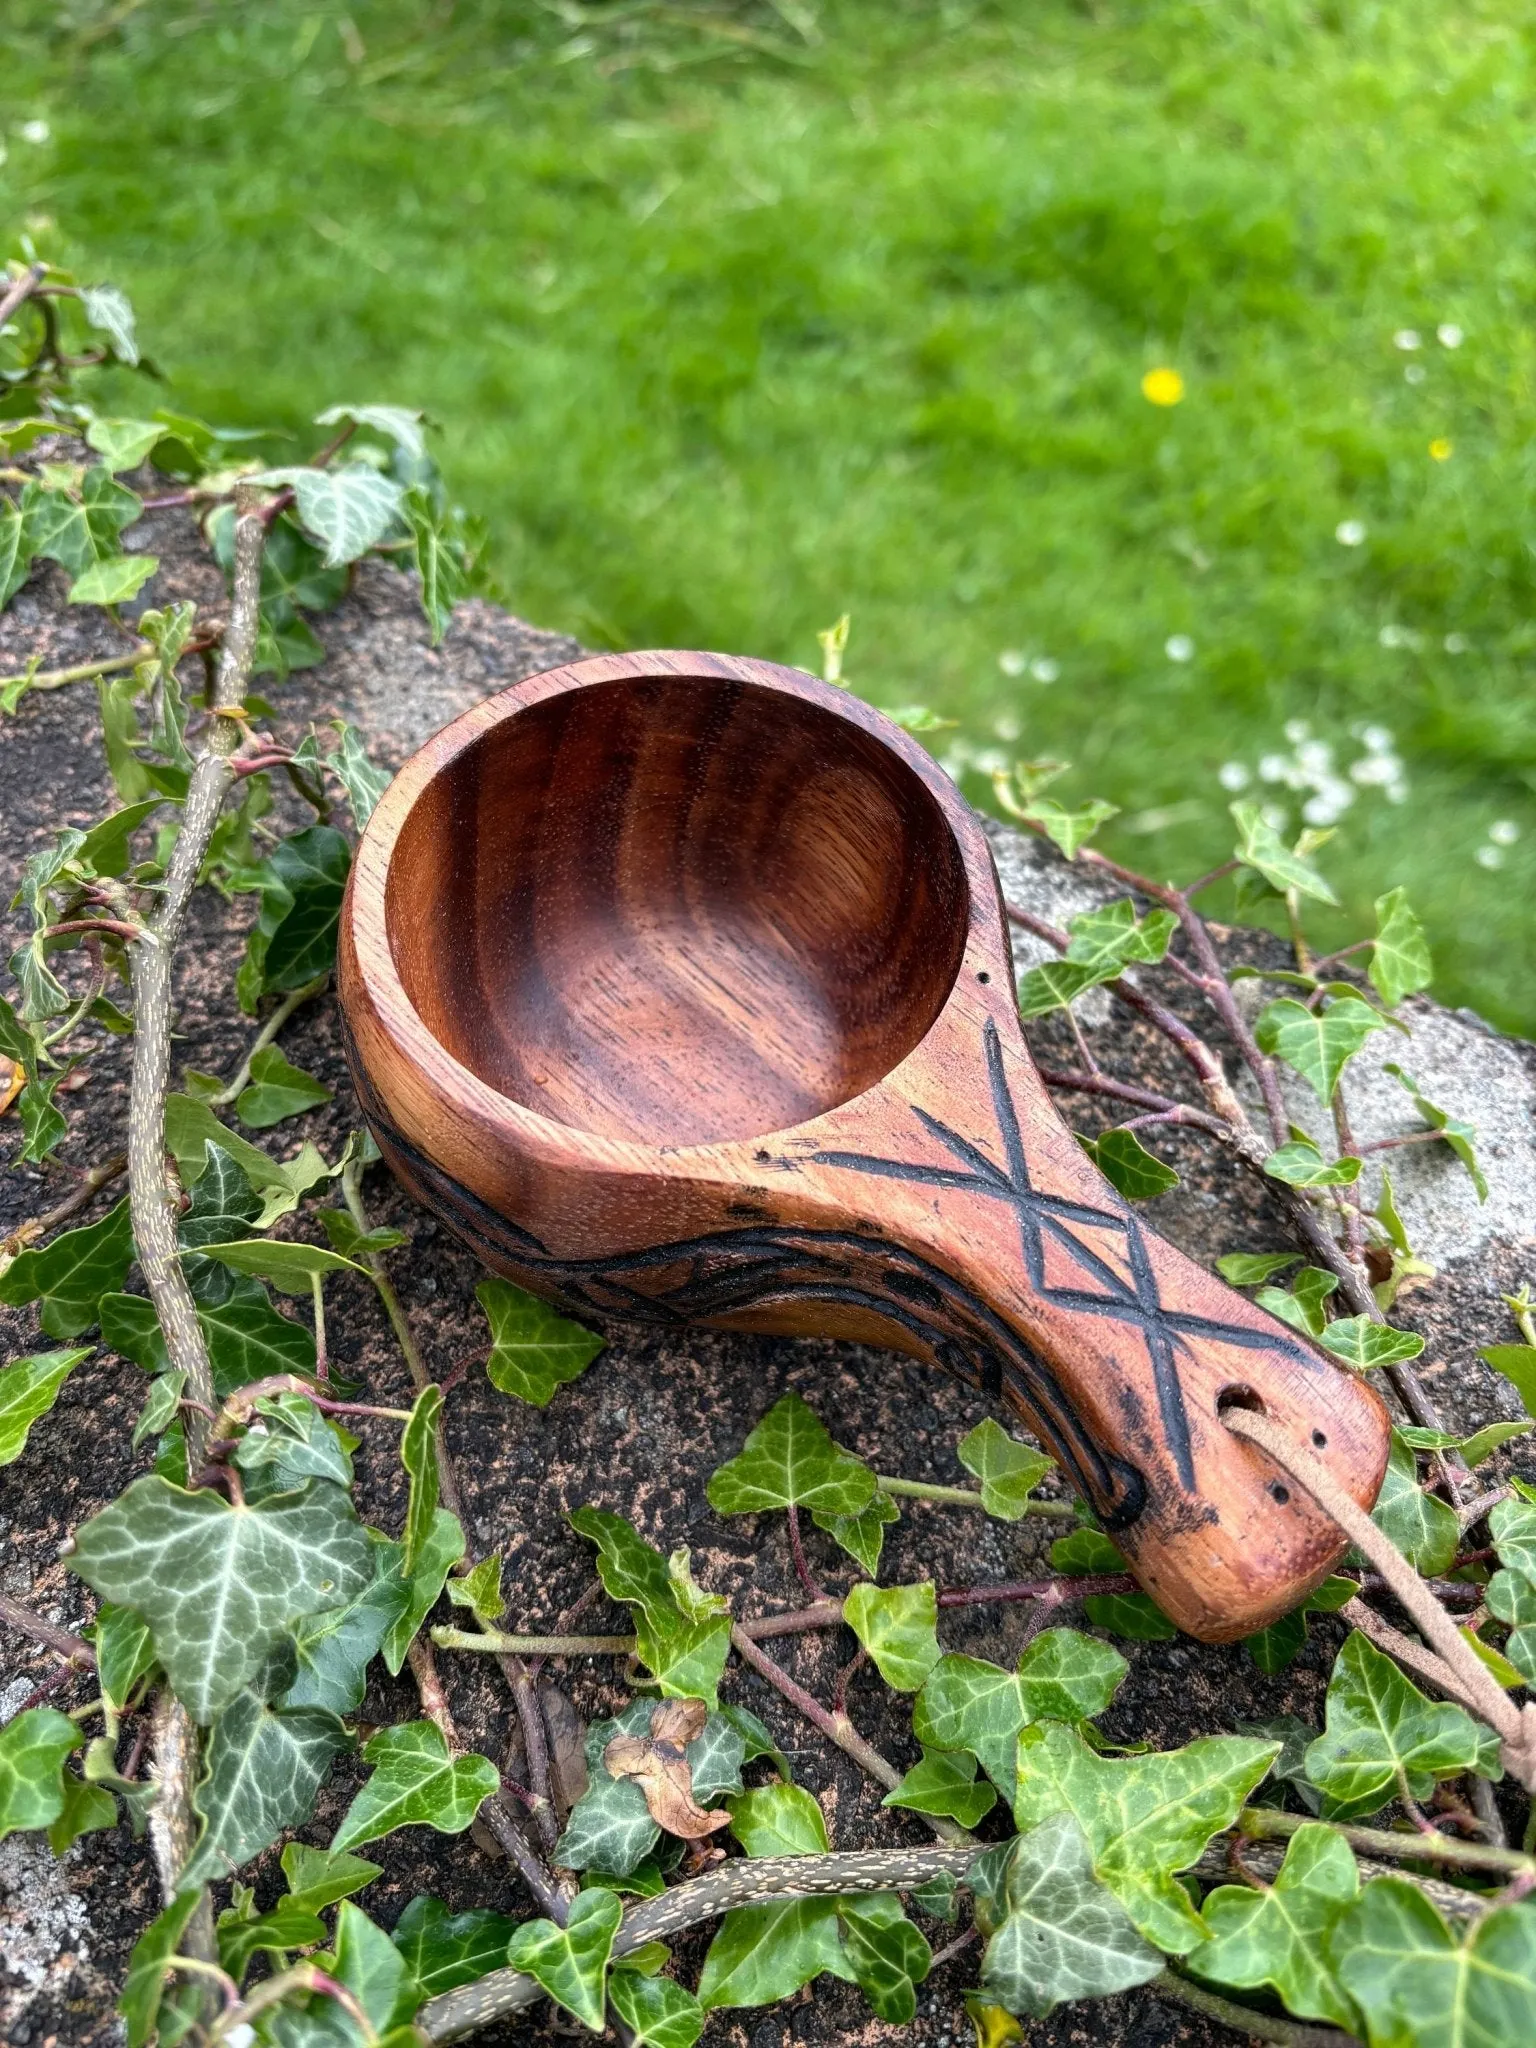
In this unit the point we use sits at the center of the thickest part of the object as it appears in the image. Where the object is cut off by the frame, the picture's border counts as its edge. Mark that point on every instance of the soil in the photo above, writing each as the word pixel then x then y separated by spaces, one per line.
pixel 639 1433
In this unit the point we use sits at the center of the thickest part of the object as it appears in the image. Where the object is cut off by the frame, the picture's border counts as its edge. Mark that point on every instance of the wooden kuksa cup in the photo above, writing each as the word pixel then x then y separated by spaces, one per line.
pixel 679 986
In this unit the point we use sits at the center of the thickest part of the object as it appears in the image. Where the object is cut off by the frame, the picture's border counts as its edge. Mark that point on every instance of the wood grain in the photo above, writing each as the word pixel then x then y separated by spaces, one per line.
pixel 679 985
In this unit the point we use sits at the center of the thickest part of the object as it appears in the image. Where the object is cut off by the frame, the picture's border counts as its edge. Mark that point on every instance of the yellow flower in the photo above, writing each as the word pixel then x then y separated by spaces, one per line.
pixel 1441 449
pixel 1162 387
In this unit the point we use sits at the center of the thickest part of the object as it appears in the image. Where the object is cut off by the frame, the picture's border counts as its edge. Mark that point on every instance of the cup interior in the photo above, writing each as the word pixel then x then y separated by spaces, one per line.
pixel 675 910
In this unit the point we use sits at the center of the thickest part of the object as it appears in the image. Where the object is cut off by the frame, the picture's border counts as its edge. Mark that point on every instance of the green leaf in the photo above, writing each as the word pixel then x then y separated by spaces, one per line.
pixel 888 1956
pixel 1260 847
pixel 861 1535
pixel 110 312
pixel 394 422
pixel 248 1340
pixel 286 1927
pixel 1113 936
pixel 317 1878
pixel 374 1971
pixel 1301 1165
pixel 277 1090
pixel 264 1768
pixel 1303 1305
pixel 334 1649
pixel 1128 1166
pixel 161 1408
pixel 610 1827
pixel 533 1348
pixel 15 558
pixel 1460 1136
pixel 70 1274
pixel 77 532
pixel 1417 1980
pixel 415 1782
pixel 350 509
pixel 439 561
pixel 1482 1444
pixel 113 580
pixel 658 2012
pixel 217 1584
pixel 28 1389
pixel 1009 1471
pixel 1424 1529
pixel 945 1782
pixel 290 1267
pixel 968 1704
pixel 86 1810
pixel 42 1125
pixel 1279 1938
pixel 1131 1615
pixel 418 1454
pixel 1364 1345
pixel 1317 1044
pixel 1512 1589
pixel 764 1953
pixel 1400 962
pixel 33 1747
pixel 357 1244
pixel 123 444
pixel 1145 1817
pixel 441 1551
pixel 789 1460
pixel 631 1571
pixel 124 1652
pixel 1517 1363
pixel 1070 829
pixel 779 1820
pixel 302 882
pixel 1067 1676
pixel 288 1442
pixel 363 780
pixel 1053 984
pixel 1276 1648
pixel 144 1985
pixel 1379 1725
pixel 191 1127
pixel 571 1962
pixel 480 1591
pixel 1063 1935
pixel 441 1953
pixel 106 846
pixel 896 1625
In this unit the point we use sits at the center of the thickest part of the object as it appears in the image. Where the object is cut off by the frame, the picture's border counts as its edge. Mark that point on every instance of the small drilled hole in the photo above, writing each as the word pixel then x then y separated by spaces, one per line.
pixel 761 1157
pixel 1238 1396
pixel 1320 1439
pixel 983 975
pixel 1278 1492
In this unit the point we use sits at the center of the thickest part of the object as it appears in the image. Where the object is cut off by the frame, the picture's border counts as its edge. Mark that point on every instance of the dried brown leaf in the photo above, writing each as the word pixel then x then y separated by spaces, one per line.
pixel 658 1765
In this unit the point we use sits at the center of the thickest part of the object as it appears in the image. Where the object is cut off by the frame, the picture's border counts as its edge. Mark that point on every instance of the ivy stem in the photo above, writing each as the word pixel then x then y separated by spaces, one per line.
pixel 83 672
pixel 1270 1824
pixel 797 1551
pixel 495 1642
pixel 1258 2026
pixel 72 1648
pixel 90 1185
pixel 965 1496
pixel 265 1036
pixel 1474 1685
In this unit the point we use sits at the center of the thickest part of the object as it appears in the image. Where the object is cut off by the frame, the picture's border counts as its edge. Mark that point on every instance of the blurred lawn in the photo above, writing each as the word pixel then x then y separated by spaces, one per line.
pixel 739 315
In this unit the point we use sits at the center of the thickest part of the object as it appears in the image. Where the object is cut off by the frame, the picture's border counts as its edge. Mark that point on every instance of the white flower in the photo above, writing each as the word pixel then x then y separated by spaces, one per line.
pixel 1407 338
pixel 1296 730
pixel 1314 757
pixel 1233 775
pixel 1276 816
pixel 1044 670
pixel 1456 643
pixel 1273 768
pixel 1489 857
pixel 1397 792
pixel 1179 647
pixel 35 131
pixel 990 761
pixel 1390 636
pixel 1449 335
pixel 1376 771
pixel 1011 661
pixel 1504 832
pixel 1414 373
pixel 1328 805
pixel 1006 728
pixel 1376 739
pixel 1349 532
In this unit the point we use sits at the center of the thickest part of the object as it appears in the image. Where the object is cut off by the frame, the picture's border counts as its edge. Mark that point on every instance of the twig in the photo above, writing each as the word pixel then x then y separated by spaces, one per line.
pixel 21 289
pixel 492 1642
pixel 1259 2026
pixel 1269 1823
pixel 1058 1591
pixel 72 1648
pixel 1473 1684
pixel 264 1038
pixel 742 1881
pixel 964 1496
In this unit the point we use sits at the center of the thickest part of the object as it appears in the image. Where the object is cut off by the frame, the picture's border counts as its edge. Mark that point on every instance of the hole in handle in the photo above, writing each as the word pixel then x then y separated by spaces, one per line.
pixel 1239 1396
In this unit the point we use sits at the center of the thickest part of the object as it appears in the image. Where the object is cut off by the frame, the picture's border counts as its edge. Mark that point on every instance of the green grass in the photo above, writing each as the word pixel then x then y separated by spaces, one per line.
pixel 728 337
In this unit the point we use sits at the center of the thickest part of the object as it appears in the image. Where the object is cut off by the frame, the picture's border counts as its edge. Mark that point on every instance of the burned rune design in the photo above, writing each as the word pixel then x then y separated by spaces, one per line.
pixel 1044 1217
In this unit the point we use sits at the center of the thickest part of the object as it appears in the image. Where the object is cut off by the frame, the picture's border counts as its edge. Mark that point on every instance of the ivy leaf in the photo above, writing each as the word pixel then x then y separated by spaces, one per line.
pixel 685 1653
pixel 277 1090
pixel 1070 829
pixel 1279 1937
pixel 1416 1979
pixel 888 1956
pixel 248 1340
pixel 1400 962
pixel 144 1986
pixel 1132 1615
pixel 415 1782
pixel 571 1962
pixel 33 1747
pixel 861 1535
pixel 967 1703
pixel 610 1827
pixel 317 1878
pixel 15 560
pixel 28 1389
pixel 1517 1363
pixel 110 312
pixel 350 509
pixel 441 1953
pixel 1009 1471
pixel 1260 847
pixel 1128 1166
pixel 191 1127
pixel 658 2012
pixel 631 1571
pixel 124 1652
pixel 1363 1345
pixel 439 560
pixel 1113 936
pixel 1378 1725
pixel 1304 1305
pixel 418 1454
pixel 1054 984
pixel 161 1407
pixel 480 1591
pixel 394 422
pixel 896 1625
pixel 357 1244
pixel 86 1810
pixel 123 444
pixel 1512 1590
pixel 78 531
pixel 1424 1529
pixel 1063 1935
pixel 1145 1817
pixel 334 1649
pixel 945 1783
pixel 1460 1136
pixel 70 1274
pixel 289 1442
pixel 1067 1676
pixel 779 1820
pixel 764 1953
pixel 302 882
pixel 42 1124
pixel 439 1554
pixel 533 1348
pixel 362 779
pixel 218 1584
pixel 290 1267
pixel 106 846
pixel 265 1766
pixel 789 1460
pixel 286 1927
pixel 113 580
pixel 1301 1165
pixel 1317 1044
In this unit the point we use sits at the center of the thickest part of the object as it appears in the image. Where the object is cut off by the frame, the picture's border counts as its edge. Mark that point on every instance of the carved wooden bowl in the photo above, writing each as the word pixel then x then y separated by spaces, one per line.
pixel 679 986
